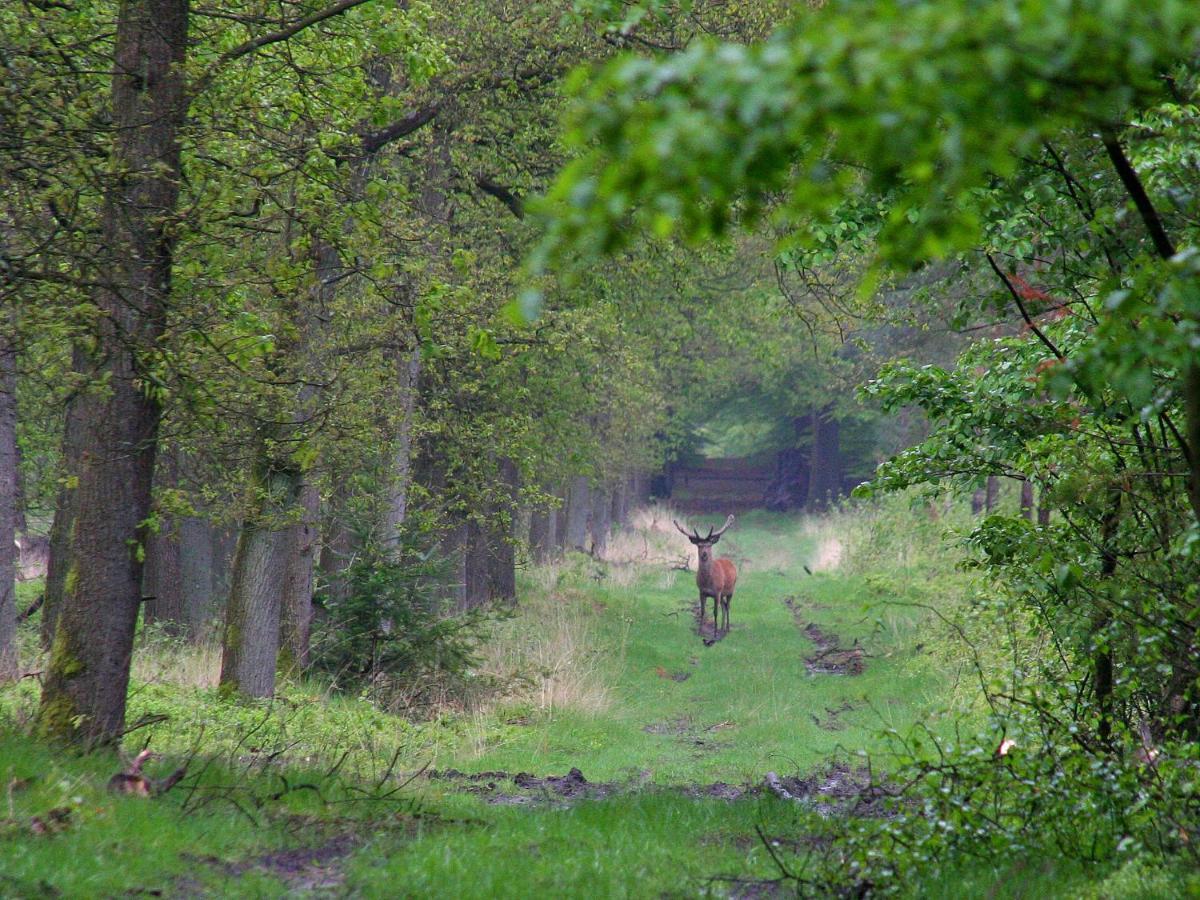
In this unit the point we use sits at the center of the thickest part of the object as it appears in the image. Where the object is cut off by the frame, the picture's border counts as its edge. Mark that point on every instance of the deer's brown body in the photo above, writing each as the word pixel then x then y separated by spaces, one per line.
pixel 716 578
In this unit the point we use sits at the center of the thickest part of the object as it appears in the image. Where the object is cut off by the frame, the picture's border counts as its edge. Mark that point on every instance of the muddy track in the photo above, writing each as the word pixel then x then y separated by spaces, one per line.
pixel 706 630
pixel 831 658
pixel 834 790
pixel 302 869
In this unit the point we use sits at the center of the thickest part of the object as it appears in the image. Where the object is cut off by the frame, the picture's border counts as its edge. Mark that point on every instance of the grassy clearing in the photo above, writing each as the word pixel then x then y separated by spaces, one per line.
pixel 601 669
pixel 644 698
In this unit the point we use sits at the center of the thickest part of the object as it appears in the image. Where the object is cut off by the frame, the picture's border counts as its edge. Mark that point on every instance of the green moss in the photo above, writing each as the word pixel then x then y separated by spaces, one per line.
pixel 57 717
pixel 71 581
pixel 63 661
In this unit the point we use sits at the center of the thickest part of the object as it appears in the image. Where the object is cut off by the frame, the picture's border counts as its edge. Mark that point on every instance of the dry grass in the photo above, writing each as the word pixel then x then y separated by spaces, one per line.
pixel 549 655
pixel 650 540
pixel 165 660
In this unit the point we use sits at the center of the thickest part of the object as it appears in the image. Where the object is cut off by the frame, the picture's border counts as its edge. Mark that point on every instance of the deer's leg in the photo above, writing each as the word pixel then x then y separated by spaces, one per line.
pixel 703 605
pixel 725 605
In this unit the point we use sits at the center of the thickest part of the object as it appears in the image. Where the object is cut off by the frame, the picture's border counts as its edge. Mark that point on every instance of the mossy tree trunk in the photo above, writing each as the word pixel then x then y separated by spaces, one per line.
pixel 296 606
pixel 250 645
pixel 84 687
pixel 9 509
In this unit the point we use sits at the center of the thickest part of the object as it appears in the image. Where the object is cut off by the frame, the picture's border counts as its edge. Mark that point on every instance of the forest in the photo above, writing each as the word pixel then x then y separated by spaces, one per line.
pixel 387 387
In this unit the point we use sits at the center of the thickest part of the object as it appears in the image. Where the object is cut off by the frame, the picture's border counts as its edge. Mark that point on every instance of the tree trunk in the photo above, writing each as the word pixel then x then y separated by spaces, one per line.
pixel 64 513
pixel 408 370
pixel 825 480
pixel 83 692
pixel 543 541
pixel 977 501
pixel 601 523
pixel 502 563
pixel 162 581
pixel 296 606
pixel 198 561
pixel 162 575
pixel 9 507
pixel 475 567
pixel 250 646
pixel 991 493
pixel 1043 510
pixel 620 502
pixel 579 509
pixel 1027 500
pixel 338 548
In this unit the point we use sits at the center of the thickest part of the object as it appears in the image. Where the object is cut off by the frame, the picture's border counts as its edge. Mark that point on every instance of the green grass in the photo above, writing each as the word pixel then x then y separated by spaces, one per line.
pixel 749 698
pixel 585 673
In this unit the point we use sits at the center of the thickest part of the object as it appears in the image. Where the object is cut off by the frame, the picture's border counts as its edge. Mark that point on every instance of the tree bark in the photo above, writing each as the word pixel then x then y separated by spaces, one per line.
pixel 296 606
pixel 579 509
pixel 83 692
pixel 1027 500
pixel 475 566
pixel 162 575
pixel 9 509
pixel 991 493
pixel 250 645
pixel 620 502
pixel 408 371
pixel 64 512
pixel 501 542
pixel 601 522
pixel 825 480
pixel 543 540
pixel 1043 510
pixel 198 573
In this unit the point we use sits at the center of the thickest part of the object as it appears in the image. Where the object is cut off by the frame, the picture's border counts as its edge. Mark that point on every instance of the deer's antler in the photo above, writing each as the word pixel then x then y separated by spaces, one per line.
pixel 712 536
pixel 691 536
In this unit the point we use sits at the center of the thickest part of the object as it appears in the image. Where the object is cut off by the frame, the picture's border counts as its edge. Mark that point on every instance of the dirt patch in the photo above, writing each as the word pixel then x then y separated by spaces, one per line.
pixel 302 868
pixel 831 721
pixel 524 788
pixel 681 725
pixel 718 790
pixel 673 676
pixel 699 739
pixel 705 629
pixel 831 658
pixel 834 791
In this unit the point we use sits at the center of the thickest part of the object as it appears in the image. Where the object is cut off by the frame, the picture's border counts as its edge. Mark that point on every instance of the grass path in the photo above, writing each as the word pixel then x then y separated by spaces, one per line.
pixel 623 689
pixel 680 711
pixel 677 715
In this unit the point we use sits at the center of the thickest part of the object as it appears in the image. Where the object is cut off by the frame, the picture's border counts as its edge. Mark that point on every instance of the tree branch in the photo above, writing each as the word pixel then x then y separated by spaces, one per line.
pixel 274 37
pixel 1016 295
pixel 1133 185
pixel 509 198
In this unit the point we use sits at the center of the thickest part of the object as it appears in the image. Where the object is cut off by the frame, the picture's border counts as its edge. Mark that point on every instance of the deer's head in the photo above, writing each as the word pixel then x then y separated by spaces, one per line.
pixel 704 544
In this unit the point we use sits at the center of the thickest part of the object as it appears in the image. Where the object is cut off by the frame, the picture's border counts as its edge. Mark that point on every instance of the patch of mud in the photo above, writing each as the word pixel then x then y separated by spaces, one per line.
pixel 796 604
pixel 832 718
pixel 718 790
pixel 705 629
pixel 673 676
pixel 678 726
pixel 302 868
pixel 698 739
pixel 524 788
pixel 831 658
pixel 835 791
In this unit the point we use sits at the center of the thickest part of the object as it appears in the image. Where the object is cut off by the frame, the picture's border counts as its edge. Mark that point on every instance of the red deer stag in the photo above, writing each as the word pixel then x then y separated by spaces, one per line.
pixel 714 577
